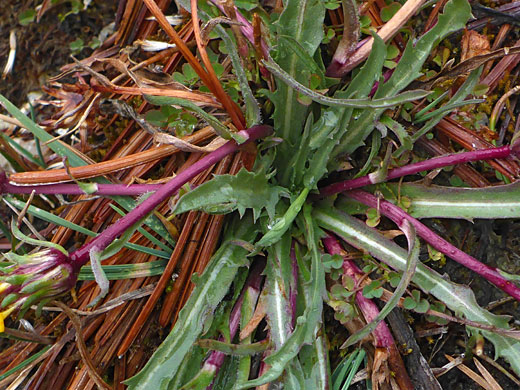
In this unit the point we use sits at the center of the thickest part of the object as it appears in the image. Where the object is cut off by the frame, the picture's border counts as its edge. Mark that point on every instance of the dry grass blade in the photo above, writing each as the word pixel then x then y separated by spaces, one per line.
pixel 485 373
pixel 107 167
pixel 471 374
pixel 232 109
pixel 82 347
pixel 159 289
pixel 497 366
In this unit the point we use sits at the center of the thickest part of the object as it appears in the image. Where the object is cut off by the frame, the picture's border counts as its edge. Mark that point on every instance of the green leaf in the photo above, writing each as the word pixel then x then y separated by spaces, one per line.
pixel 289 115
pixel 373 290
pixel 281 225
pixel 464 203
pixel 247 5
pixel 409 303
pixel 422 306
pixel 458 298
pixel 279 283
pixel 389 11
pixel 307 323
pixel 454 17
pixel 26 17
pixel 315 363
pixel 157 118
pixel 295 170
pixel 305 58
pixel 399 131
pixel 226 193
pixel 210 289
pixel 390 101
pixel 77 45
pixel 219 128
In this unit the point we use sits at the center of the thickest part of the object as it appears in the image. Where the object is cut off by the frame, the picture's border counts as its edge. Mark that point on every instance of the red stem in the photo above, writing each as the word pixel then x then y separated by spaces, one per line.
pixel 397 215
pixel 81 256
pixel 410 169
pixel 74 189
pixel 253 284
pixel 382 334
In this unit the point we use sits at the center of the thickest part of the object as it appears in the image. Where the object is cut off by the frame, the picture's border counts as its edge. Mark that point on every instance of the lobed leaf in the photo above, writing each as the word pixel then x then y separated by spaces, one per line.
pixel 307 323
pixel 289 114
pixel 282 224
pixel 226 193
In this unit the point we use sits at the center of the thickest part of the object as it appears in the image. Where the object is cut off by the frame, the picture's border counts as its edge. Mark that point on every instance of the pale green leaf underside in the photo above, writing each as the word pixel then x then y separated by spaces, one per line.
pixel 457 297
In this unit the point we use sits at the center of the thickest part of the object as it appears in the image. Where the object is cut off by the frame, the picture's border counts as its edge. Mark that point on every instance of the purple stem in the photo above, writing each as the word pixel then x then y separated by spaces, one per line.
pixel 386 77
pixel 246 28
pixel 253 283
pixel 433 163
pixel 397 215
pixel 382 334
pixel 82 255
pixel 74 189
pixel 340 68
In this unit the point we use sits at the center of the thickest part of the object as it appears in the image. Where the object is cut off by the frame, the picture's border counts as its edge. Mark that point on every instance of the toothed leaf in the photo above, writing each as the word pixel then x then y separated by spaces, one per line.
pixel 226 193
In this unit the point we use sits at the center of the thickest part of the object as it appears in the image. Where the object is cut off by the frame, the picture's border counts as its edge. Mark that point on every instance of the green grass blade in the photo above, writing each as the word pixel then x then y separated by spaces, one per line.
pixel 49 217
pixel 125 271
pixel 25 363
pixel 149 236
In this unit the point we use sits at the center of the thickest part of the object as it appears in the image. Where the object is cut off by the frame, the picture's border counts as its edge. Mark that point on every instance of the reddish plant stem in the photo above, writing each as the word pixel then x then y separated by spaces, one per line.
pixel 82 255
pixel 383 336
pixel 74 189
pixel 411 169
pixel 246 28
pixel 398 215
pixel 253 283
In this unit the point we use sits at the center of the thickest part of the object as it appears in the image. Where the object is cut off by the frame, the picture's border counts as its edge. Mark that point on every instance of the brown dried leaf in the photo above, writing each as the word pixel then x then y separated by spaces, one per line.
pixel 164 138
pixel 258 316
pixel 474 44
